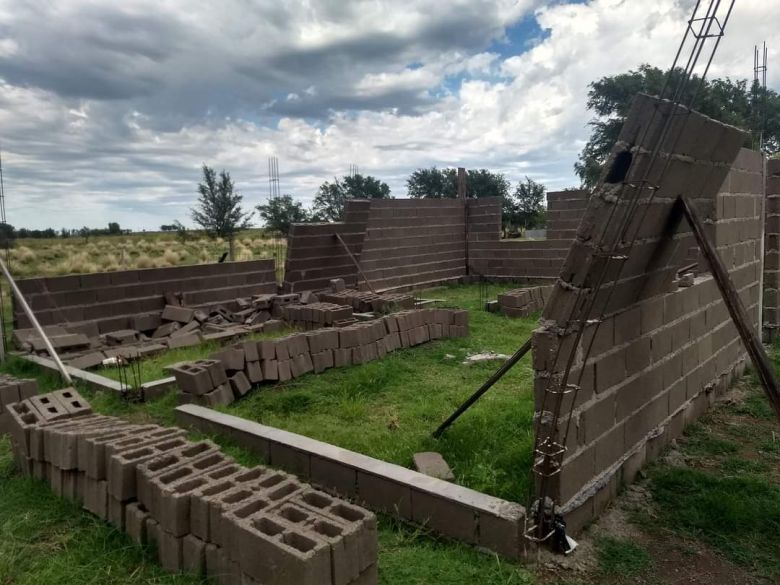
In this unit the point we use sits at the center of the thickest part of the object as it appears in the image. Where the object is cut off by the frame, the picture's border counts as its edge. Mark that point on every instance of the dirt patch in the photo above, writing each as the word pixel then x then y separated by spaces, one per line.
pixel 675 561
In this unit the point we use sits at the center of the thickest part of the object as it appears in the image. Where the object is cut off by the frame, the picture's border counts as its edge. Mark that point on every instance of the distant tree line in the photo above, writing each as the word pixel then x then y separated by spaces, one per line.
pixel 9 233
pixel 522 208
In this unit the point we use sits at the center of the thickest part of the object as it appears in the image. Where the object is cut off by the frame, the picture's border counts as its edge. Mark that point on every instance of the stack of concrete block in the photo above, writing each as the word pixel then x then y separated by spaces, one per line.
pixel 200 511
pixel 206 382
pixel 365 302
pixel 230 373
pixel 522 302
pixel 315 315
pixel 13 390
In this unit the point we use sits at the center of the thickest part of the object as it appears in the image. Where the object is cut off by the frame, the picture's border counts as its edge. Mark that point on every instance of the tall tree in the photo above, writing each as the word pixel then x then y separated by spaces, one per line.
pixel 726 100
pixel 282 211
pixel 218 210
pixel 434 183
pixel 329 201
pixel 527 209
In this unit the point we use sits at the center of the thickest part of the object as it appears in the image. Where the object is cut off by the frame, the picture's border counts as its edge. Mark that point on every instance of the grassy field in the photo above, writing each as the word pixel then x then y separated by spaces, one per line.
pixel 709 508
pixel 57 256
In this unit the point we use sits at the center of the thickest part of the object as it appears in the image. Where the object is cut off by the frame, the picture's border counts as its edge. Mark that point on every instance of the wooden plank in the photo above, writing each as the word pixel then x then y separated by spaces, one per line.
pixel 734 304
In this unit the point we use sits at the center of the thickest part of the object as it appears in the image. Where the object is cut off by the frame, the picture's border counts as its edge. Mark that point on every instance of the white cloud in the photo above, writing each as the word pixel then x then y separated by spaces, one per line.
pixel 109 113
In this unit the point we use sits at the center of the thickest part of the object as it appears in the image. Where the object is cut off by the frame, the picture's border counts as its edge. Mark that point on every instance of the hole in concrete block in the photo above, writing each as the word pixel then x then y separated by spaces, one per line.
pixel 251 508
pixel 271 481
pixel 67 395
pixel 619 169
pixel 76 404
pixel 298 541
pixel 174 475
pixel 267 526
pixel 327 528
pixel 208 461
pixel 162 463
pixel 218 488
pixel 168 445
pixel 195 450
pixel 294 515
pixel 317 499
pixel 223 472
pixel 282 491
pixel 237 496
pixel 251 475
pixel 137 454
pixel 347 512
pixel 189 485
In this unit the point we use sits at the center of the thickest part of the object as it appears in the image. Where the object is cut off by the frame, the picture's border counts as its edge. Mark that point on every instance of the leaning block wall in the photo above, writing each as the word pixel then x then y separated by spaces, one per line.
pixel 771 308
pixel 657 362
pixel 112 298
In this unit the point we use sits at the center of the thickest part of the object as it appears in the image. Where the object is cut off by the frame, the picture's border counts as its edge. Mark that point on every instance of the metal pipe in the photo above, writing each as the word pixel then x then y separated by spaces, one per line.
pixel 497 375
pixel 34 321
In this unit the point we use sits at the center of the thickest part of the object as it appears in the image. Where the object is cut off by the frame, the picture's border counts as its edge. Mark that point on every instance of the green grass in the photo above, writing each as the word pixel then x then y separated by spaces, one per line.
pixel 47 540
pixel 621 557
pixel 388 408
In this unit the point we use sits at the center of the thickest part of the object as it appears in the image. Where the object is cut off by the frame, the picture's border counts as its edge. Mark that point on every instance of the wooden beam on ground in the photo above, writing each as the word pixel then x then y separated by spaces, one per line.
pixel 734 304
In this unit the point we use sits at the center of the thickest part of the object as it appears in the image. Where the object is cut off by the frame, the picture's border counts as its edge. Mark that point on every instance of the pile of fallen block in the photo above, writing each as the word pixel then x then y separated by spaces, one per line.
pixel 230 373
pixel 153 333
pixel 200 511
pixel 521 302
pixel 316 315
pixel 367 302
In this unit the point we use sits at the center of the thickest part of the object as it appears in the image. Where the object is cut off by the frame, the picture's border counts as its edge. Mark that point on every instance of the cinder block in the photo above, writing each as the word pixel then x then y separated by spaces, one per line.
pixel 240 384
pixel 135 522
pixel 178 314
pixel 193 378
pixel 193 555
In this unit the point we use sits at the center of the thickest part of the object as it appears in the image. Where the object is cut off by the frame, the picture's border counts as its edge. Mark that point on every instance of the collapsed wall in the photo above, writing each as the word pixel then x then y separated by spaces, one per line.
pixel 108 301
pixel 660 352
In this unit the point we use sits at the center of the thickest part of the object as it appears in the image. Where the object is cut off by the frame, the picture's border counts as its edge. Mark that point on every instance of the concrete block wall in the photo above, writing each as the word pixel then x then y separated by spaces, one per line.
pixel 443 507
pixel 407 243
pixel 113 298
pixel 771 307
pixel 199 511
pixel 564 212
pixel 315 256
pixel 661 352
pixel 491 257
pixel 413 242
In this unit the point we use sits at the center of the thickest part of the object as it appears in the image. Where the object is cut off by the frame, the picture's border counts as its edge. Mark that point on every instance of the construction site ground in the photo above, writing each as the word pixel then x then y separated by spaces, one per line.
pixel 707 512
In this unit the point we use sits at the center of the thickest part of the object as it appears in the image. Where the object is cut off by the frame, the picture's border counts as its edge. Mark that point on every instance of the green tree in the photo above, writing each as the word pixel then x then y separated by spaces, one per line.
pixel 282 211
pixel 114 229
pixel 528 204
pixel 329 201
pixel 218 210
pixel 726 100
pixel 434 183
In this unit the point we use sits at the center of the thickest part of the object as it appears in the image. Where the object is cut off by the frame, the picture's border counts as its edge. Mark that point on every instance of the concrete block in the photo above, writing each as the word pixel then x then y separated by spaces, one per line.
pixel 178 314
pixel 135 522
pixel 240 384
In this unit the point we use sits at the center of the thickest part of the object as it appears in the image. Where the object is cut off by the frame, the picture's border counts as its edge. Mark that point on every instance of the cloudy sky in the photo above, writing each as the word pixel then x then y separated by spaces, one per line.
pixel 108 109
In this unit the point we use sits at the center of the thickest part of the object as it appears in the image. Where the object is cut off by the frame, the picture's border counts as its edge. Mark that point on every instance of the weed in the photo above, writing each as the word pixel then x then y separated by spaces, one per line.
pixel 621 557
